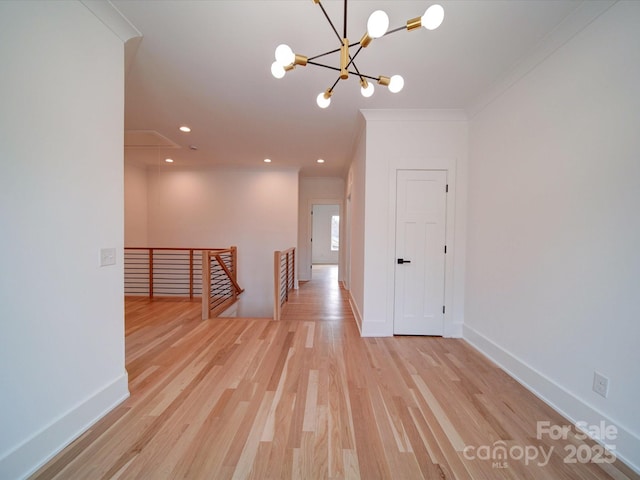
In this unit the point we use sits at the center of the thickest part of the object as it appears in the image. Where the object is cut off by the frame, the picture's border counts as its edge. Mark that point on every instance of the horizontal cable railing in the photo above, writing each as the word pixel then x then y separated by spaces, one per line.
pixel 162 272
pixel 284 268
pixel 178 272
pixel 220 267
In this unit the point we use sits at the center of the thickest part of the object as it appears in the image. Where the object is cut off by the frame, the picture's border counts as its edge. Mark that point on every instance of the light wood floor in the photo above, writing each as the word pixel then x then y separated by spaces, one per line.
pixel 308 398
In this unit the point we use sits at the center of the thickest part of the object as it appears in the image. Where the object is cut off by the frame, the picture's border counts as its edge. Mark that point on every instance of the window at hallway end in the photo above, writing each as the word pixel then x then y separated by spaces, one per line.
pixel 335 233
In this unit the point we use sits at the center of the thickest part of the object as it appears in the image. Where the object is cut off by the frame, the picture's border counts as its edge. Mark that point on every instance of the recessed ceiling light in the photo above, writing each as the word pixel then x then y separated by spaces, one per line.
pixel 320 160
pixel 267 160
pixel 185 129
pixel 168 160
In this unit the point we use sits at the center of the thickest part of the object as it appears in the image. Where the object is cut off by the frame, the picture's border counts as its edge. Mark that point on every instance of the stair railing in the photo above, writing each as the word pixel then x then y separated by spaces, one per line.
pixel 284 268
pixel 178 273
pixel 220 268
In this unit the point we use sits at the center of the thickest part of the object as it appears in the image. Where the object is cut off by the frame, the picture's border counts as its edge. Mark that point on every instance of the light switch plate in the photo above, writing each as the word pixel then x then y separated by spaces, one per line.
pixel 600 384
pixel 107 256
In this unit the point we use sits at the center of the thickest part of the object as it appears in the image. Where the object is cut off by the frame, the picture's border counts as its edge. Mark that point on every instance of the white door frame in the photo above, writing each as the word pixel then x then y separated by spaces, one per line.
pixel 448 165
pixel 417 323
pixel 309 230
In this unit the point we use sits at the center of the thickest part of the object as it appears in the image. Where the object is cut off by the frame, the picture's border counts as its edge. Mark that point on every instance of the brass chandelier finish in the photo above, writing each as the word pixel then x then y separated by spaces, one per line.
pixel 377 26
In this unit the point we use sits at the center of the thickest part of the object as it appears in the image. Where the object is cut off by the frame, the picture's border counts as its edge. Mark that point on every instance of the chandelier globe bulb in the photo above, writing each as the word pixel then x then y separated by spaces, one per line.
pixel 277 70
pixel 367 90
pixel 377 24
pixel 284 55
pixel 396 84
pixel 433 17
pixel 322 100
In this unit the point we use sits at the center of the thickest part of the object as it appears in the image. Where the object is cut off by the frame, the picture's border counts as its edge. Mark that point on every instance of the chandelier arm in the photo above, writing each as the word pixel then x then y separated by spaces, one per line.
pixel 362 75
pixel 352 62
pixel 329 20
pixel 335 50
pixel 356 69
pixel 325 53
pixel 345 19
pixel 389 32
pixel 323 65
pixel 352 58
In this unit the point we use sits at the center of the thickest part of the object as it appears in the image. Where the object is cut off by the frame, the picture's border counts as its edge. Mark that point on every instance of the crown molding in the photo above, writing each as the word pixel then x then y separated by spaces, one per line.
pixel 414 115
pixel 572 25
pixel 108 14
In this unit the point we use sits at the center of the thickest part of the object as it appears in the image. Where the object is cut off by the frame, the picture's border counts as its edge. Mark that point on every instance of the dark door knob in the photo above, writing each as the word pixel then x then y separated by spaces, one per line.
pixel 402 260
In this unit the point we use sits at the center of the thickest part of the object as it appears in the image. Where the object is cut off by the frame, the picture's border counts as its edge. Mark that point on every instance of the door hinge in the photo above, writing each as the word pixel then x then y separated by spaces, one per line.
pixel 447 188
pixel 443 309
pixel 445 249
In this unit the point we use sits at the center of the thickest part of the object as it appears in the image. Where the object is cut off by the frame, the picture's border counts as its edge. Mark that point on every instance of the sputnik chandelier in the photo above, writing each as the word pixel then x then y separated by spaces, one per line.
pixel 377 26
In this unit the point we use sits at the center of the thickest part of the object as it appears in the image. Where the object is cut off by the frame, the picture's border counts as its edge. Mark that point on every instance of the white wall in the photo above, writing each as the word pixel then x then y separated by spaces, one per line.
pixel 135 205
pixel 408 139
pixel 321 245
pixel 319 190
pixel 257 211
pixel 61 201
pixel 553 234
pixel 355 227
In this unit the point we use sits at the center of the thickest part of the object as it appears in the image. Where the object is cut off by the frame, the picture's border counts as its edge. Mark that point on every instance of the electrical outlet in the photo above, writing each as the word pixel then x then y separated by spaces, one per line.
pixel 107 256
pixel 600 384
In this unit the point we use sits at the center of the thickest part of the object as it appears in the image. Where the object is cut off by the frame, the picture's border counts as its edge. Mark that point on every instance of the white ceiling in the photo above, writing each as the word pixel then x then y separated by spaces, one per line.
pixel 207 64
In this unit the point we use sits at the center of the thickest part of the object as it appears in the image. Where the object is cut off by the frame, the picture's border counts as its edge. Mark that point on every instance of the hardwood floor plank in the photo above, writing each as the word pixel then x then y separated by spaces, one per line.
pixel 445 424
pixel 351 465
pixel 243 464
pixel 320 465
pixel 310 420
pixel 270 425
pixel 280 462
pixel 306 397
pixel 369 447
pixel 424 459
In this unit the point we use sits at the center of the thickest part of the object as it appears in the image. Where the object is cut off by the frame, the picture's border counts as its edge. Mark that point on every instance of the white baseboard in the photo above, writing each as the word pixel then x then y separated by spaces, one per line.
pixel 574 409
pixel 369 329
pixel 453 330
pixel 377 329
pixel 382 329
pixel 32 454
pixel 356 312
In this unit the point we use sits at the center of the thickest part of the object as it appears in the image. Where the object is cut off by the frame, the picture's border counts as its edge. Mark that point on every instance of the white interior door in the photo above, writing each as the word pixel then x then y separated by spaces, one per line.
pixel 421 203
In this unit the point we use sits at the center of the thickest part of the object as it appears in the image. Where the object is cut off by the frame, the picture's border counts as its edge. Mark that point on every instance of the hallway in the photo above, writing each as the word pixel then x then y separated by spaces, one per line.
pixel 307 398
pixel 320 299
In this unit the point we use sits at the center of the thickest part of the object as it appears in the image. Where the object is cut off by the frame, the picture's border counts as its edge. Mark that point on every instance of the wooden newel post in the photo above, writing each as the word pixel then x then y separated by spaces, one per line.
pixel 286 277
pixel 293 268
pixel 276 284
pixel 191 273
pixel 234 263
pixel 206 280
pixel 150 256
